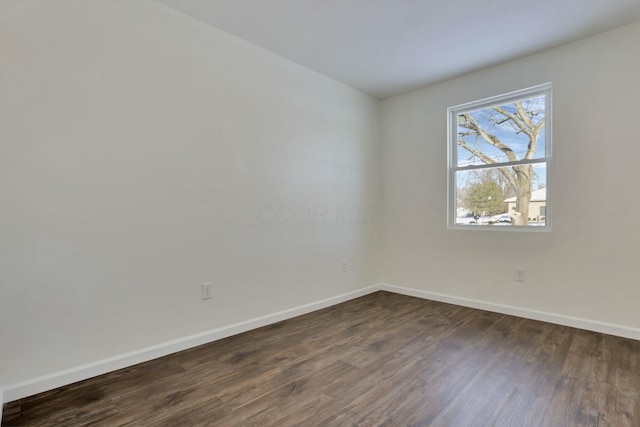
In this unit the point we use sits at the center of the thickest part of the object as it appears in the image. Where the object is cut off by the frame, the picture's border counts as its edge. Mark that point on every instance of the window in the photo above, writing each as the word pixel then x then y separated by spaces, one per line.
pixel 499 161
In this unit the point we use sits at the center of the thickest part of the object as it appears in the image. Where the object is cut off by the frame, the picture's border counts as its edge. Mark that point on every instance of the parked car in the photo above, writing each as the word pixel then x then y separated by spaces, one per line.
pixel 485 220
pixel 501 219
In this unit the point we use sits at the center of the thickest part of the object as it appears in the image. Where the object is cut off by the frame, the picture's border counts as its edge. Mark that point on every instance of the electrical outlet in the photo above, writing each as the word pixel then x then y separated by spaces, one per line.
pixel 206 290
pixel 519 274
pixel 344 267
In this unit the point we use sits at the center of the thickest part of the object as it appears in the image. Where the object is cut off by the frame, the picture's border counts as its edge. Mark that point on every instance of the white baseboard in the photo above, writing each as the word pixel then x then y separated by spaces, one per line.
pixel 90 370
pixel 559 319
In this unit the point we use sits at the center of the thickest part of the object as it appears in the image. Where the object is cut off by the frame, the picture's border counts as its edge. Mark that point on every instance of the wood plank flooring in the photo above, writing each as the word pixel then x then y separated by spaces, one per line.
pixel 380 360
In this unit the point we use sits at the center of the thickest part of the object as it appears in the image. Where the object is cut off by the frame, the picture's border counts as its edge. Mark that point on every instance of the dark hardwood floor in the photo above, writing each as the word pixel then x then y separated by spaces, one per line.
pixel 380 360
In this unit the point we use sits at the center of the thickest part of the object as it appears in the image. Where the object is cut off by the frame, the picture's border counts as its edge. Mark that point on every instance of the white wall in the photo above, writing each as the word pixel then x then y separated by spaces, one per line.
pixel 586 267
pixel 143 153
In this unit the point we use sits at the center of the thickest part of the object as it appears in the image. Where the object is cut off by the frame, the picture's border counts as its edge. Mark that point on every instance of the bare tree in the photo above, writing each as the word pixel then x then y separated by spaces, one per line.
pixel 523 120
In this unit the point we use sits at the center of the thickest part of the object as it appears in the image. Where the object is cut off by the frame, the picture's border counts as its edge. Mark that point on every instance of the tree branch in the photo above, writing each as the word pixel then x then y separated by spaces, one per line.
pixel 526 125
pixel 471 124
pixel 506 172
pixel 486 159
pixel 515 119
pixel 522 114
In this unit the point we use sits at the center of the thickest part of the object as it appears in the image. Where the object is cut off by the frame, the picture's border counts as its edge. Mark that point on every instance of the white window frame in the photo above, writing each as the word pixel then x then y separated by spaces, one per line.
pixel 452 142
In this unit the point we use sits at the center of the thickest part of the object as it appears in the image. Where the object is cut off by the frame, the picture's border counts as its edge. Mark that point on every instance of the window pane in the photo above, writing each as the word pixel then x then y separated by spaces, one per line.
pixel 502 133
pixel 489 196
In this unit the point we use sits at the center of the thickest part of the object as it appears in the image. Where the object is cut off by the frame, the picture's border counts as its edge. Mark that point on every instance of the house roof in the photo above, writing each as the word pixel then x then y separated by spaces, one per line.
pixel 536 196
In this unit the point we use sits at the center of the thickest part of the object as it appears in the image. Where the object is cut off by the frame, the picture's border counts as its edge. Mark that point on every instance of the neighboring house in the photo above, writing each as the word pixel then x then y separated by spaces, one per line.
pixel 537 205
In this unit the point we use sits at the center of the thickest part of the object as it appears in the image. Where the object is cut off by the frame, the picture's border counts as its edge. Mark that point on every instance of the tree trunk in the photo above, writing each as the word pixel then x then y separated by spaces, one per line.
pixel 523 190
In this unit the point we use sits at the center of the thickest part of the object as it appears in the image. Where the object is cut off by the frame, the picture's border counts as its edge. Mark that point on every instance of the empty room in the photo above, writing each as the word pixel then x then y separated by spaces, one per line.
pixel 335 212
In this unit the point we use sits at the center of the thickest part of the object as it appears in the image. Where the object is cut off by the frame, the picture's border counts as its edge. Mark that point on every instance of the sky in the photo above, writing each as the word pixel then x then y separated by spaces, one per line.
pixel 505 130
pixel 518 142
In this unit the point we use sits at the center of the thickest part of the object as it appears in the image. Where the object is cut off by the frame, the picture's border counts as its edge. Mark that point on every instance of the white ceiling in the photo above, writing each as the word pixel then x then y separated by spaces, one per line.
pixel 387 47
